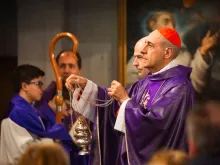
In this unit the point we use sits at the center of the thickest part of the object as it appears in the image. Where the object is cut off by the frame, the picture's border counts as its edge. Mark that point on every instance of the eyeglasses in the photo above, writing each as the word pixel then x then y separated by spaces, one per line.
pixel 39 83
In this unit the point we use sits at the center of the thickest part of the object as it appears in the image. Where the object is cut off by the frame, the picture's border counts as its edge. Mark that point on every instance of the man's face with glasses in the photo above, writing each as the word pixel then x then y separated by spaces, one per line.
pixel 39 83
pixel 34 89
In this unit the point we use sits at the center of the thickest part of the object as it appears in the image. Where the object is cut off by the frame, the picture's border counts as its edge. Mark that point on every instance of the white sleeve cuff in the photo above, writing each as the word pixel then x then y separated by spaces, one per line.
pixel 120 121
pixel 86 104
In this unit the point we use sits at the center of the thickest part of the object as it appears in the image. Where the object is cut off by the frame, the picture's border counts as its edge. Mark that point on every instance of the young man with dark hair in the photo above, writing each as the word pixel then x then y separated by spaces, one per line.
pixel 23 124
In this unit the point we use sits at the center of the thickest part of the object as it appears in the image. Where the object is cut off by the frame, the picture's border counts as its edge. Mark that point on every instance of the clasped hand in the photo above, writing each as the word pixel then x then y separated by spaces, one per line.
pixel 73 80
pixel 118 92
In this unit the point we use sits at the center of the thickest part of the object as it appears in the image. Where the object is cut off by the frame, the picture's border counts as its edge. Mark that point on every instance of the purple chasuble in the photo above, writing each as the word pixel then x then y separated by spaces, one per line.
pixel 154 118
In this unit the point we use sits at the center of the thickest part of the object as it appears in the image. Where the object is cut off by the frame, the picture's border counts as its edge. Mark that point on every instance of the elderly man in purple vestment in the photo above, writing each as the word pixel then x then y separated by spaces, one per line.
pixel 67 65
pixel 149 115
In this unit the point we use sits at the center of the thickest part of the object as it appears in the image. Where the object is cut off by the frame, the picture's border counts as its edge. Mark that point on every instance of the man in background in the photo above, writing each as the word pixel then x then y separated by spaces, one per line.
pixel 136 68
pixel 67 65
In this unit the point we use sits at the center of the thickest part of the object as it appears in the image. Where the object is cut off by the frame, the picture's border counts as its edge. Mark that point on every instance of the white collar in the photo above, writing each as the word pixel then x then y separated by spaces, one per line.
pixel 172 64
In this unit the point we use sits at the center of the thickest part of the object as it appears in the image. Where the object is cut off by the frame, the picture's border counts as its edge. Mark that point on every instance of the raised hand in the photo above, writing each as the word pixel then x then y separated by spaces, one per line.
pixel 209 41
pixel 73 80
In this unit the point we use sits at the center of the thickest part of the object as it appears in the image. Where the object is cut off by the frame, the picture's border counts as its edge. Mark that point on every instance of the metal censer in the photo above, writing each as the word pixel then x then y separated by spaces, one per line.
pixel 82 135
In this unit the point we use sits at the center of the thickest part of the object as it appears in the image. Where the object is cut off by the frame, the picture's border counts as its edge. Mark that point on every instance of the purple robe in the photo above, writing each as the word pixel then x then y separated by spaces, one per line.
pixel 49 117
pixel 154 118
pixel 25 115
